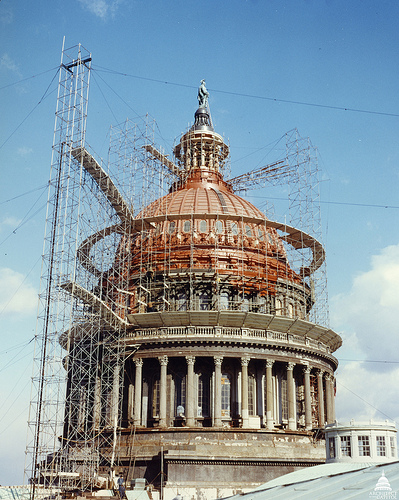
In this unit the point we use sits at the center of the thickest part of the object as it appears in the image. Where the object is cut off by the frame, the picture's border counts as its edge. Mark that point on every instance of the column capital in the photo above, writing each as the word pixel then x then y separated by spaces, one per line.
pixel 138 362
pixel 163 360
pixel 307 368
pixel 328 376
pixel 218 360
pixel 320 372
pixel 245 361
pixel 269 363
pixel 190 360
pixel 290 365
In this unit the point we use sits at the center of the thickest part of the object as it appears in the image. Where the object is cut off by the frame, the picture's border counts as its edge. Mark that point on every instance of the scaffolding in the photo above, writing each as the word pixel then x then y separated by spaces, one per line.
pixel 117 248
pixel 77 390
pixel 299 172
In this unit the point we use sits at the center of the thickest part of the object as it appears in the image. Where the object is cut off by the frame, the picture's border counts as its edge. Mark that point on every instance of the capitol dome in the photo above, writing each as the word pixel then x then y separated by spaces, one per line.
pixel 205 332
pixel 203 232
pixel 383 484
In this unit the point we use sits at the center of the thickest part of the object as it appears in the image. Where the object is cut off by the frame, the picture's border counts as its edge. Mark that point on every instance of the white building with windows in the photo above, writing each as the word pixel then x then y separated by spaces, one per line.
pixel 361 442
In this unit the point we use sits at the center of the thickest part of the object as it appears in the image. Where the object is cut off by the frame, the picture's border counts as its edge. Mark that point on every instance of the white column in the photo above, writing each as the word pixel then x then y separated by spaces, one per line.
pixel 333 397
pixel 115 395
pixel 328 399
pixel 97 403
pixel 130 403
pixel 217 408
pixel 244 392
pixel 308 400
pixel 320 391
pixel 137 390
pixel 190 393
pixel 163 361
pixel 269 395
pixel 291 397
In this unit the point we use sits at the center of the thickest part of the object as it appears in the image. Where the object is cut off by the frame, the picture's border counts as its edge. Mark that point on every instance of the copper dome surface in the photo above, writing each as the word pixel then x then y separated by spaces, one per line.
pixel 202 232
pixel 202 196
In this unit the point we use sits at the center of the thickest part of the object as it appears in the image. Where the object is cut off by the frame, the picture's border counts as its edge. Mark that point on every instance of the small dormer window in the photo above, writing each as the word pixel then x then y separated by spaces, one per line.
pixel 219 227
pixel 172 227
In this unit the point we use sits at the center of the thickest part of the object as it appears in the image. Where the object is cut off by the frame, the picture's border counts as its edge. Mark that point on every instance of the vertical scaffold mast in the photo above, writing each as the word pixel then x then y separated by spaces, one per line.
pixel 77 391
pixel 55 309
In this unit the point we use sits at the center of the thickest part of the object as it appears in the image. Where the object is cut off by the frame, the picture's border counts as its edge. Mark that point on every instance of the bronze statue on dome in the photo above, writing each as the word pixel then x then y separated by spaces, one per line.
pixel 203 95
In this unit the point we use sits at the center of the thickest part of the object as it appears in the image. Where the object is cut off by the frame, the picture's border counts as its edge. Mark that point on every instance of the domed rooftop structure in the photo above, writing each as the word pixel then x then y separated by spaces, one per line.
pixel 213 322
pixel 219 251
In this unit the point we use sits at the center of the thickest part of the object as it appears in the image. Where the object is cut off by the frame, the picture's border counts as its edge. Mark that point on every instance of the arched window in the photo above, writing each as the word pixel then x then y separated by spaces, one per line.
pixel 260 234
pixel 181 302
pixel 187 226
pixel 226 394
pixel 219 227
pixel 172 226
pixel 290 310
pixel 203 226
pixel 283 398
pixel 155 397
pixel 224 300
pixel 248 231
pixel 251 394
pixel 245 302
pixel 204 300
pixel 279 307
pixel 262 305
pixel 180 394
pixel 234 228
pixel 204 393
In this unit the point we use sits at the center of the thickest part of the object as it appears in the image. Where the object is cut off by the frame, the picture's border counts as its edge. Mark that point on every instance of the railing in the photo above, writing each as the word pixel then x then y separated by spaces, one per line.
pixel 228 332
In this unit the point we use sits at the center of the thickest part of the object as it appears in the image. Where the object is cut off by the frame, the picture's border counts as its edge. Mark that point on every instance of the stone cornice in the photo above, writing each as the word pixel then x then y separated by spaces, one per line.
pixel 232 323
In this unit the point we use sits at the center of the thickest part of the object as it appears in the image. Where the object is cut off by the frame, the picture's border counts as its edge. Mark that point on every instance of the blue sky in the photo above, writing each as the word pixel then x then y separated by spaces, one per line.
pixel 260 60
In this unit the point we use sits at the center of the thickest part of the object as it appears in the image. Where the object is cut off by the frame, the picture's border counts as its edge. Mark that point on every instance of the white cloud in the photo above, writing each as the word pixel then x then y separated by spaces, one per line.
pixel 24 151
pixel 100 8
pixel 6 16
pixel 16 296
pixel 8 223
pixel 8 64
pixel 363 395
pixel 370 309
pixel 367 316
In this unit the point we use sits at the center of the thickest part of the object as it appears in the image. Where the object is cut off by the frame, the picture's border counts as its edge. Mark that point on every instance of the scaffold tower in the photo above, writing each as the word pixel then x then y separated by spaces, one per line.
pixel 171 307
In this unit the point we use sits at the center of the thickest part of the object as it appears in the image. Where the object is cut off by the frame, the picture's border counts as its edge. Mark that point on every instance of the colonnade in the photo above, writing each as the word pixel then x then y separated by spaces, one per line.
pixel 317 410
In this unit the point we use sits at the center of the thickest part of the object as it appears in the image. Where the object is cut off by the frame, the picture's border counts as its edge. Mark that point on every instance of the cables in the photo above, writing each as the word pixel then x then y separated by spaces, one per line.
pixel 251 96
pixel 44 96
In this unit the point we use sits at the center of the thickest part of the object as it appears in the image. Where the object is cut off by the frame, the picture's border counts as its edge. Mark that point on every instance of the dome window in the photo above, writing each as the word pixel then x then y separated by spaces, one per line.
pixel 234 228
pixel 226 394
pixel 260 234
pixel 248 231
pixel 219 227
pixel 172 227
pixel 224 300
pixel 203 226
pixel 187 226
